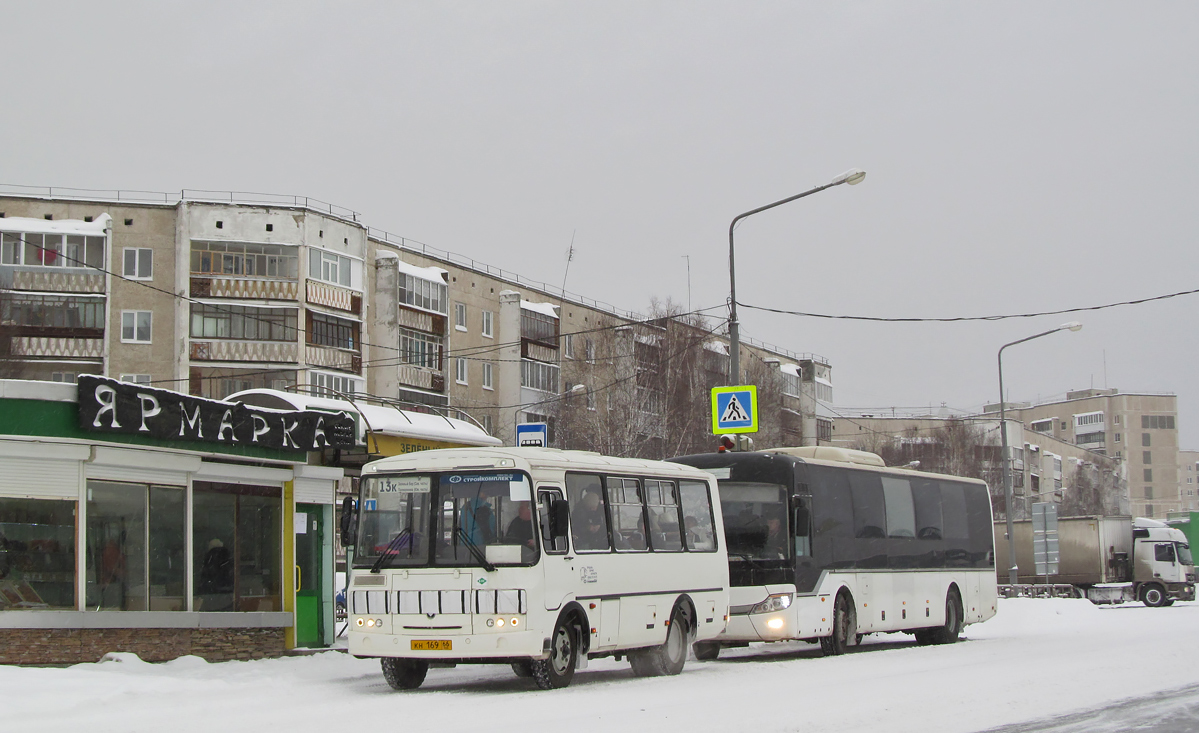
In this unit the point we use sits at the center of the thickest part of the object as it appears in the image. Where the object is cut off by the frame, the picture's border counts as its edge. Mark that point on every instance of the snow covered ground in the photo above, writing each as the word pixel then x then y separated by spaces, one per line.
pixel 1036 658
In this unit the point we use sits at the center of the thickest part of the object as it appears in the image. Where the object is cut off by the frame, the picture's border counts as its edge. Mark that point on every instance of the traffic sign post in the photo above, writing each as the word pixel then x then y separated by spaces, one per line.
pixel 532 435
pixel 734 409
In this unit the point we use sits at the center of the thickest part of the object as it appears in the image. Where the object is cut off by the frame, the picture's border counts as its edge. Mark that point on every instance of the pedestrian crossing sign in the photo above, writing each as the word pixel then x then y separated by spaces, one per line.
pixel 734 409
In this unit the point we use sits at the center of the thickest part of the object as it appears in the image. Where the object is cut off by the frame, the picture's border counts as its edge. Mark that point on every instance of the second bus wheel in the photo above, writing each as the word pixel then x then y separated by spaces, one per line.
pixel 706 651
pixel 559 669
pixel 845 626
pixel 404 674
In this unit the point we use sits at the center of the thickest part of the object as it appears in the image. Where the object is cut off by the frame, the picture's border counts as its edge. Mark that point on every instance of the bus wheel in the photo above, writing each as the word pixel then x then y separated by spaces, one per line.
pixel 523 668
pixel 948 633
pixel 669 658
pixel 404 674
pixel 706 651
pixel 845 627
pixel 1153 596
pixel 559 669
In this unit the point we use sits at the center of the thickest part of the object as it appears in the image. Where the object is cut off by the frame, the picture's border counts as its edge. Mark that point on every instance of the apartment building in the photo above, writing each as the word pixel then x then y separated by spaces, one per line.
pixel 1137 428
pixel 1188 480
pixel 213 294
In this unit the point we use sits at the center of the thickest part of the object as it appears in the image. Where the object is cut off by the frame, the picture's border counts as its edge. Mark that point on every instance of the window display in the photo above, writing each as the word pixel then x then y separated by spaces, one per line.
pixel 237 532
pixel 37 554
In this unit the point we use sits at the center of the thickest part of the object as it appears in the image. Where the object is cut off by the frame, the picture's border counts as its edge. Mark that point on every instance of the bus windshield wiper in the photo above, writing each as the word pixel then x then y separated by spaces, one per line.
pixel 752 561
pixel 475 552
pixel 393 548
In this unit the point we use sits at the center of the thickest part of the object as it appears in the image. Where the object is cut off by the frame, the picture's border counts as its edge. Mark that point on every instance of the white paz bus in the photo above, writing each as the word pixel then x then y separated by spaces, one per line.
pixel 533 557
pixel 828 544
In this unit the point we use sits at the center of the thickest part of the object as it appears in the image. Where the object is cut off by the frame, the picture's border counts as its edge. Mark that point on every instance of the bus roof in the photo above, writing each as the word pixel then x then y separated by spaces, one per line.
pixel 512 457
pixel 845 457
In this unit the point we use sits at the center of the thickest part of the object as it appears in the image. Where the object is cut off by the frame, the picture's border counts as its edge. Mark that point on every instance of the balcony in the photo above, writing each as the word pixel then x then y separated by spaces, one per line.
pixel 421 378
pixel 51 279
pixel 331 358
pixel 276 352
pixel 58 347
pixel 241 287
pixel 331 296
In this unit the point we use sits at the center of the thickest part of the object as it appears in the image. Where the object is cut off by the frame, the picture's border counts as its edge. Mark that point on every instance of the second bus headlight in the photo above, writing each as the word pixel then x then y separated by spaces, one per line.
pixel 776 602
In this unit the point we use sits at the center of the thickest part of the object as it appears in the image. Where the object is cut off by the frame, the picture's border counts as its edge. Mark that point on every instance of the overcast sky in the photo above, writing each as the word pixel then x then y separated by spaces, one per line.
pixel 1021 157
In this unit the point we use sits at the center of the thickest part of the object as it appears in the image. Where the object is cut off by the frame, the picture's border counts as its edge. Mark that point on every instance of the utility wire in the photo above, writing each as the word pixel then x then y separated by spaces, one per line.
pixel 954 319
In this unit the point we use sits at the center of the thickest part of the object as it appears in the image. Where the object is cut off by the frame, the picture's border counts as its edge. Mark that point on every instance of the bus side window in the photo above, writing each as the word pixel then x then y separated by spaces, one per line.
pixel 588 518
pixel 628 522
pixel 663 504
pixel 802 521
pixel 546 498
pixel 926 495
pixel 697 515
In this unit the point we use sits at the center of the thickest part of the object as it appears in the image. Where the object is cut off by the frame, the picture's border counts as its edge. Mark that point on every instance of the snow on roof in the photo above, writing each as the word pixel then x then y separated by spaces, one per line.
pixel 792 369
pixel 62 226
pixel 648 340
pixel 543 308
pixel 822 380
pixel 383 419
pixel 424 273
pixel 718 347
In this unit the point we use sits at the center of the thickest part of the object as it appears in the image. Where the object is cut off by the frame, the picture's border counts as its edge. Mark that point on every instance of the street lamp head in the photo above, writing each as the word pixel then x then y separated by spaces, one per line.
pixel 853 176
pixel 1072 325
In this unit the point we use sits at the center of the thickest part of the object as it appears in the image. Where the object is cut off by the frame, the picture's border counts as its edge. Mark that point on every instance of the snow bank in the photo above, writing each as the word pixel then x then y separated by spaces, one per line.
pixel 1036 658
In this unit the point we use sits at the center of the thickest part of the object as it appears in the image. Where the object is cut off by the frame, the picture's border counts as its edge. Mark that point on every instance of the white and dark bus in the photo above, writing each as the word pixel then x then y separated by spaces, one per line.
pixel 533 557
pixel 828 544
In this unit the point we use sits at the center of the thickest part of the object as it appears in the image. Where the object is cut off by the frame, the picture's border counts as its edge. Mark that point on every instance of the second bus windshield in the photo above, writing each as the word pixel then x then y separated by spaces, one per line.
pixel 755 521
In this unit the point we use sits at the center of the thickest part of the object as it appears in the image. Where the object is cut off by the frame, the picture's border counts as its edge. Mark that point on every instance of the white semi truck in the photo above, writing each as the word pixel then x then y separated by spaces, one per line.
pixel 1104 559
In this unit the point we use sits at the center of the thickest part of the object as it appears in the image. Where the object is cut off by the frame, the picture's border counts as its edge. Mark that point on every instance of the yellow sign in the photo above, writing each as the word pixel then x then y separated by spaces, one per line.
pixel 394 445
pixel 735 409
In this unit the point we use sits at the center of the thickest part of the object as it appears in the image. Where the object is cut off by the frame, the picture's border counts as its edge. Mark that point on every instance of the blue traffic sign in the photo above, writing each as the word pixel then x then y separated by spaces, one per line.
pixel 532 434
pixel 735 409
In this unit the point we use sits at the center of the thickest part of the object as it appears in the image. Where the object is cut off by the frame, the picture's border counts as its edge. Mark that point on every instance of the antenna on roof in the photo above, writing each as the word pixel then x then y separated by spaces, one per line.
pixel 570 255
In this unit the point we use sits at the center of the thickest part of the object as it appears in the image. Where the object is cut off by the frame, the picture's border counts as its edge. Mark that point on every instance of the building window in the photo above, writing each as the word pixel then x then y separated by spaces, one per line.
pixel 1157 422
pixel 1042 426
pixel 1089 438
pixel 241 322
pixel 135 547
pixel 424 294
pixel 51 250
pixel 236 259
pixel 330 267
pixel 539 327
pixel 64 377
pixel 568 346
pixel 539 375
pixel 335 386
pixel 487 376
pixel 42 315
pixel 1148 510
pixel 589 348
pixel 488 424
pixel 1088 418
pixel 824 430
pixel 38 554
pixel 488 317
pixel 136 378
pixel 1148 474
pixel 135 326
pixel 1115 419
pixel 338 333
pixel 421 349
pixel 1145 439
pixel 460 370
pixel 139 263
pixel 1117 438
pixel 1146 457
pixel 460 316
pixel 236 550
pixel 1063 425
pixel 1148 492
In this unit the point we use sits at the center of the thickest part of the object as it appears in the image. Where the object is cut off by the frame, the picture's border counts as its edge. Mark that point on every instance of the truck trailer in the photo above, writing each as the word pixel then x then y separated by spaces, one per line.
pixel 1105 559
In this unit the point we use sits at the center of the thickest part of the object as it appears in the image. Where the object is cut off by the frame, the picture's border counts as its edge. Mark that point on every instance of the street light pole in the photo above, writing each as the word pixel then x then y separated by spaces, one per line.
pixel 852 177
pixel 1007 470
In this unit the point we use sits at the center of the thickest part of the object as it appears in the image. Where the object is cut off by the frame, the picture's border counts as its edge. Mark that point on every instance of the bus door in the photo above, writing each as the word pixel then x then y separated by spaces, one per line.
pixel 556 561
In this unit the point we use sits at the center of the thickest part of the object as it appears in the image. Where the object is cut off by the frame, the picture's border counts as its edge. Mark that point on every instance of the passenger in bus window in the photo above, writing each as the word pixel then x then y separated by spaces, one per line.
pixel 520 529
pixel 590 527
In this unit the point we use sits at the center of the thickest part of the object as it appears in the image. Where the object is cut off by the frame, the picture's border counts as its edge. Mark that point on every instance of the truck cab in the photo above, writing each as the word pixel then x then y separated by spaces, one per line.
pixel 1163 570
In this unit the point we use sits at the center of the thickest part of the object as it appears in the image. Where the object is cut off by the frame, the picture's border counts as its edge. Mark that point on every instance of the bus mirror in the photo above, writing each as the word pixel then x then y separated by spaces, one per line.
pixel 559 518
pixel 349 523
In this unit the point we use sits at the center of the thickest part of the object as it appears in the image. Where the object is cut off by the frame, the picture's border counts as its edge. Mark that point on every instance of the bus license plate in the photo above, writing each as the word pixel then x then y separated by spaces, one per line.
pixel 432 645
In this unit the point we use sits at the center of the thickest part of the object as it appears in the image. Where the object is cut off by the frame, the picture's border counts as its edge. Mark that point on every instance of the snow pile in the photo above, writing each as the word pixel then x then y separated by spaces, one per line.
pixel 1037 658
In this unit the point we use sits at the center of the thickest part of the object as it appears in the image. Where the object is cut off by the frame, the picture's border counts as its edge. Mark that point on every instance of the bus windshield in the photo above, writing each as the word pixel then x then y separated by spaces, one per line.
pixel 446 519
pixel 755 521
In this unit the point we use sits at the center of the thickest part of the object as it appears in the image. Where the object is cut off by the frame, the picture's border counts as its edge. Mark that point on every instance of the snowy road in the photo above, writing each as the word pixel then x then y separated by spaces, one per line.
pixel 1036 661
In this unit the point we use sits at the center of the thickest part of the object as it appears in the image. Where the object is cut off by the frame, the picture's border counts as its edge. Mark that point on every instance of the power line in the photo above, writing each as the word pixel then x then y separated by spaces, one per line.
pixel 954 319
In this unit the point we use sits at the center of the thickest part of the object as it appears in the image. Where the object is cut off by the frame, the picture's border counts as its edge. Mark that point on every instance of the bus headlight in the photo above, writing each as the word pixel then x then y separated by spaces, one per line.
pixel 776 602
pixel 775 624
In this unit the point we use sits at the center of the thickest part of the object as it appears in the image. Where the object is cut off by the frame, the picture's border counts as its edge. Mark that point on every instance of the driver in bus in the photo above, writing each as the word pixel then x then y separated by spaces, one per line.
pixel 520 529
pixel 776 539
